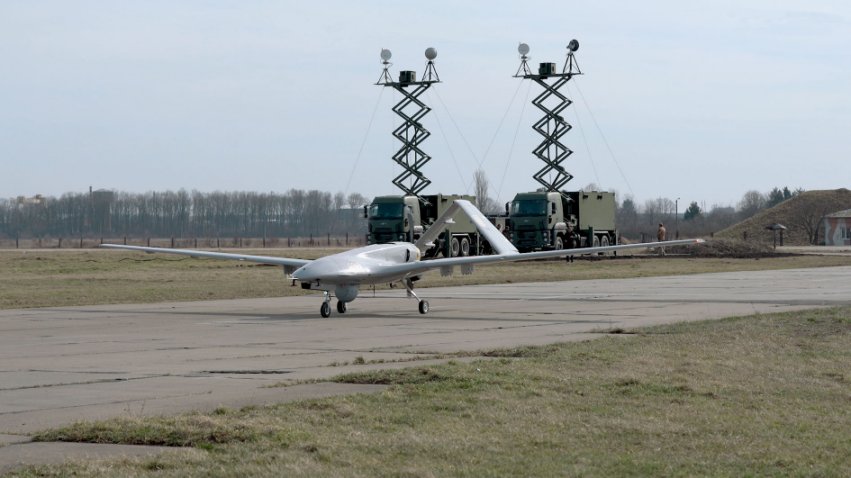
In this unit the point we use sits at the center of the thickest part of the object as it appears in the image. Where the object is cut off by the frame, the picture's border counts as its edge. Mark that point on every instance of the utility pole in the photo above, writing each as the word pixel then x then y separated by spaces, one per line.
pixel 677 218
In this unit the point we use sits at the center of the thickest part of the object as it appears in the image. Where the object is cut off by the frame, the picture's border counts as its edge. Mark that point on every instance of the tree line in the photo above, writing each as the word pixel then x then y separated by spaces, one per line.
pixel 637 221
pixel 300 213
pixel 295 213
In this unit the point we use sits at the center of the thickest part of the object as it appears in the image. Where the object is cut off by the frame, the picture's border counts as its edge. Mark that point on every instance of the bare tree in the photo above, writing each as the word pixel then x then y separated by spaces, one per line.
pixel 482 185
pixel 752 202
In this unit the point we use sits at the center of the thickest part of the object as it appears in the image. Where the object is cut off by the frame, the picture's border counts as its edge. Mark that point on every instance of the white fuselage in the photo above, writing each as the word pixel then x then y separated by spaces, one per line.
pixel 343 273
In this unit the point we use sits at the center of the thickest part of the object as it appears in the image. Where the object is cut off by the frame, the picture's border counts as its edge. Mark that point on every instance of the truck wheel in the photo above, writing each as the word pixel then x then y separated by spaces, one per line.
pixel 596 242
pixel 559 245
pixel 604 242
pixel 455 247
pixel 465 247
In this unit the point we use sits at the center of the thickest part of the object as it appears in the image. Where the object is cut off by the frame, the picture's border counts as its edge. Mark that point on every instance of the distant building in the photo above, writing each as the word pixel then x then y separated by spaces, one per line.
pixel 38 199
pixel 837 228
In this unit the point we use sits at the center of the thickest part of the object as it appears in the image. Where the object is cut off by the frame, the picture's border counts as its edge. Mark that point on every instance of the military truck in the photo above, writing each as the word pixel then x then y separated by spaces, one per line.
pixel 405 218
pixel 562 220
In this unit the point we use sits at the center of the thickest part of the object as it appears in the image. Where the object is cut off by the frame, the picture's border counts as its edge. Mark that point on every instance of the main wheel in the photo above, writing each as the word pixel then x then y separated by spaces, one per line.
pixel 325 310
pixel 423 307
pixel 465 247
pixel 455 247
pixel 341 307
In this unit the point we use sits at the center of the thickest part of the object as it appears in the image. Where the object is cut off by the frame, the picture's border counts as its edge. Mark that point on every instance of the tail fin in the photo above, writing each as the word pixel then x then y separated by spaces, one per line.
pixel 500 244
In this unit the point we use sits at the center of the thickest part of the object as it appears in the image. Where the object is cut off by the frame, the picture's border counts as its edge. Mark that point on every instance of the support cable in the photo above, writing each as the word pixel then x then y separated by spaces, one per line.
pixel 363 142
pixel 587 145
pixel 513 142
pixel 605 141
pixel 449 147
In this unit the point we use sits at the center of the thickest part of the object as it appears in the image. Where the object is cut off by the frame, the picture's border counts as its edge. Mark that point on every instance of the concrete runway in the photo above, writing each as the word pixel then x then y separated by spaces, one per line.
pixel 59 365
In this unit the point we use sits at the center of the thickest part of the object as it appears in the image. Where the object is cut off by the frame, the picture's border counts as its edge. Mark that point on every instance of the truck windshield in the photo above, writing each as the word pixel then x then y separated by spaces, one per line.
pixel 386 211
pixel 529 207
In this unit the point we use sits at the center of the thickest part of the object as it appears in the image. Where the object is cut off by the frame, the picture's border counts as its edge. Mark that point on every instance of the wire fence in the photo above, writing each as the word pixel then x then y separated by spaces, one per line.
pixel 327 240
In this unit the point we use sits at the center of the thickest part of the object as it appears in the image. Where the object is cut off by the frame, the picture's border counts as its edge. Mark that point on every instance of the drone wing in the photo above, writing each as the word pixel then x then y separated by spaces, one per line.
pixel 291 264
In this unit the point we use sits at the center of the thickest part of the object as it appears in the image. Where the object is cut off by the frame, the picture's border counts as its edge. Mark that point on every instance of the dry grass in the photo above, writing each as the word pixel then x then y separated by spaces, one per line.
pixel 756 396
pixel 791 213
pixel 71 277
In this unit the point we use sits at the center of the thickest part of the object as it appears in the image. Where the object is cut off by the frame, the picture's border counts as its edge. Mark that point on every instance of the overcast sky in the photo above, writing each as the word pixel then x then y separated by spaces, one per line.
pixel 697 100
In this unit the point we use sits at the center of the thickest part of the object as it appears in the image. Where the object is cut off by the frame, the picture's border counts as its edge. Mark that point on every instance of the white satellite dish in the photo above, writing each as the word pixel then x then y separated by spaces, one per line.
pixel 430 53
pixel 523 49
pixel 385 54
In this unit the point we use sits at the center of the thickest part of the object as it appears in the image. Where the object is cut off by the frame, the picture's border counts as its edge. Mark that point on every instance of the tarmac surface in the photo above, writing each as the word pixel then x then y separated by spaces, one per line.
pixel 60 365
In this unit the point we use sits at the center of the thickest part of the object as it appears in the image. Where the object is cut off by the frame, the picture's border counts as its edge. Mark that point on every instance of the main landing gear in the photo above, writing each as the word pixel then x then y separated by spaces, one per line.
pixel 325 308
pixel 423 304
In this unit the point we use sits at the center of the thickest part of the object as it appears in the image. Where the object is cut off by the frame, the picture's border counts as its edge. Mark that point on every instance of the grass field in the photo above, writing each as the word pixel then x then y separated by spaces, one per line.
pixel 46 278
pixel 765 395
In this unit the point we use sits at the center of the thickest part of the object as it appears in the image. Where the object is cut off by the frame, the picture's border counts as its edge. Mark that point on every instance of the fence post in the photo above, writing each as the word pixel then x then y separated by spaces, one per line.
pixel 329 238
pixel 60 243
pixel 125 240
pixel 16 241
pixel 81 242
pixel 347 238
pixel 149 242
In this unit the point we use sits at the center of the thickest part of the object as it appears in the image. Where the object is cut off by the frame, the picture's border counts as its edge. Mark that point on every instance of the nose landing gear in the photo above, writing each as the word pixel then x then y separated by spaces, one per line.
pixel 325 309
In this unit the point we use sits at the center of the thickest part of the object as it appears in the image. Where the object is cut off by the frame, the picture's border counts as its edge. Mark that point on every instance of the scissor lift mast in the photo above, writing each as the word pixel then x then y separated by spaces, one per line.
pixel 552 126
pixel 411 133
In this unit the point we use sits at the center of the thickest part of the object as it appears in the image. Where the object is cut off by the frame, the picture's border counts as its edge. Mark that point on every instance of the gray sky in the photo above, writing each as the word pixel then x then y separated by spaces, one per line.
pixel 697 100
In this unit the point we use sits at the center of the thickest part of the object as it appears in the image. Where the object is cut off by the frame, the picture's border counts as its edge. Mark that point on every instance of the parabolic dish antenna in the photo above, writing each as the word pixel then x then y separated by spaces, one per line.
pixel 431 53
pixel 385 54
pixel 523 49
pixel 573 45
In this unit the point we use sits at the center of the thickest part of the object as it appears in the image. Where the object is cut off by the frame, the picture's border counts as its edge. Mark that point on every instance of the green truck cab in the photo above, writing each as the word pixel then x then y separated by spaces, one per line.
pixel 405 218
pixel 557 220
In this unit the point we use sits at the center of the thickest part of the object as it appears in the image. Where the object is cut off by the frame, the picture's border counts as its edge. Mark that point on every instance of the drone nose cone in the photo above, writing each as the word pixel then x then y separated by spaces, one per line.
pixel 303 273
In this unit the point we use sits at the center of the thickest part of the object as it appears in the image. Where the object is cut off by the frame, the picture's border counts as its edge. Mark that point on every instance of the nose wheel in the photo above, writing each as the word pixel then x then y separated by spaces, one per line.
pixel 325 308
pixel 424 307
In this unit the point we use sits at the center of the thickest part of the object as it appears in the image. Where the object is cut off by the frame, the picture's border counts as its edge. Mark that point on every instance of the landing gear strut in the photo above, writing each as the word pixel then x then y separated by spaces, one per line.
pixel 423 304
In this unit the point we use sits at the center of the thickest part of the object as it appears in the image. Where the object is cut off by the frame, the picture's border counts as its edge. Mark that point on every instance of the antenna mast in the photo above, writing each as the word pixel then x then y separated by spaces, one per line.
pixel 552 126
pixel 411 132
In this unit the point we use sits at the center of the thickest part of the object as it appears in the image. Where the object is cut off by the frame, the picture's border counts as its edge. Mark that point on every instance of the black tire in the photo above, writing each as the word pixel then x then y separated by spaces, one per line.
pixel 455 247
pixel 341 307
pixel 604 242
pixel 465 247
pixel 424 307
pixel 325 310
